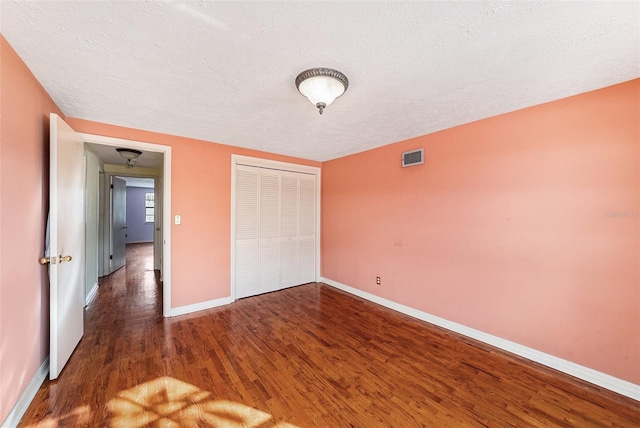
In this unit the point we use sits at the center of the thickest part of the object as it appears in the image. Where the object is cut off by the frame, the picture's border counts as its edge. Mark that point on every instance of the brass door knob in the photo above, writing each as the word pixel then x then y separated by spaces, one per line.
pixel 64 258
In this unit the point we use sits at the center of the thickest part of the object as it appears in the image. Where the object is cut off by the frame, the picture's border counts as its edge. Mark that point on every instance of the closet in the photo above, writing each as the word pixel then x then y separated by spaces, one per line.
pixel 275 222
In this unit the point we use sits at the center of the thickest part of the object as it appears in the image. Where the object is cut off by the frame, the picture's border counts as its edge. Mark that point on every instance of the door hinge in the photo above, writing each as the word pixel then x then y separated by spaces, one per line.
pixel 111 257
pixel 112 186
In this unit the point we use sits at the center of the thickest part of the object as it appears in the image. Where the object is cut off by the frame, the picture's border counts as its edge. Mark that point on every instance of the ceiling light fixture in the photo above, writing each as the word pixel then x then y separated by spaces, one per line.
pixel 130 155
pixel 321 85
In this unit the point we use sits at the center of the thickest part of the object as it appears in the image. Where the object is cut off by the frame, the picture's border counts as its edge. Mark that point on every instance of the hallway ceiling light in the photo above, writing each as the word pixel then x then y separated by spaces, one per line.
pixel 321 85
pixel 130 155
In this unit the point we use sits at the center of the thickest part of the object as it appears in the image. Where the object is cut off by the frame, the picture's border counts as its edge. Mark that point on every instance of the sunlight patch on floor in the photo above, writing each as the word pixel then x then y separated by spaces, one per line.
pixel 169 402
pixel 80 416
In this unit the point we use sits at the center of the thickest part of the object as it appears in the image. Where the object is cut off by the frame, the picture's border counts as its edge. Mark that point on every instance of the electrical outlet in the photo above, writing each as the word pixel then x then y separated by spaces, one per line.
pixel 377 280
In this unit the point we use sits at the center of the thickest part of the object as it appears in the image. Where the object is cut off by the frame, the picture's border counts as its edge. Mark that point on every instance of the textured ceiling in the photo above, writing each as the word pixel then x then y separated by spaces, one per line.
pixel 224 71
pixel 109 155
pixel 147 183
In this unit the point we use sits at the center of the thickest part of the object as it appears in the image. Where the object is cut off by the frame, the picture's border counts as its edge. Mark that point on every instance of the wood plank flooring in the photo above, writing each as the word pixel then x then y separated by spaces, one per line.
pixel 308 356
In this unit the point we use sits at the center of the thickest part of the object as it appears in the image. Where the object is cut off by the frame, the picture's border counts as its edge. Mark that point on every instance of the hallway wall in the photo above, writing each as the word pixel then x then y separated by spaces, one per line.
pixel 138 230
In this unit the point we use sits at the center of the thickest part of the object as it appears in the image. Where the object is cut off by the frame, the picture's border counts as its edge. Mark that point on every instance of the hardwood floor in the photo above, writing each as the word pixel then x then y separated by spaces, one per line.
pixel 308 356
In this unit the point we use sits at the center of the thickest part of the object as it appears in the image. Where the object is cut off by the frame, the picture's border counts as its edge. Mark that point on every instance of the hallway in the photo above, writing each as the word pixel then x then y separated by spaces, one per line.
pixel 307 356
pixel 131 293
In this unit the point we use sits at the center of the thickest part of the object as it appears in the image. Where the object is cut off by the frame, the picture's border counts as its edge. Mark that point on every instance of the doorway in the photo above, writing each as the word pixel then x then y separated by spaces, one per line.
pixel 134 218
pixel 103 163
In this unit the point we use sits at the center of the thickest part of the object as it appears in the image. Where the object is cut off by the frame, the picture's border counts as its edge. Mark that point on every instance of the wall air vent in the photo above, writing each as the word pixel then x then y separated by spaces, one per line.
pixel 413 157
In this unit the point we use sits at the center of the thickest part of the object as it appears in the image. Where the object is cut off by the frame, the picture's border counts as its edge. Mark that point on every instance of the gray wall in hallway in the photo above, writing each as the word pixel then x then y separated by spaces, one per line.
pixel 138 230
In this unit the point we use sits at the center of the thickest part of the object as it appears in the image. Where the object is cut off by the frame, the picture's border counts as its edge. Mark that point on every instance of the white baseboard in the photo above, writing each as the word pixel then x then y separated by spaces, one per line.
pixel 182 310
pixel 92 294
pixel 18 411
pixel 595 377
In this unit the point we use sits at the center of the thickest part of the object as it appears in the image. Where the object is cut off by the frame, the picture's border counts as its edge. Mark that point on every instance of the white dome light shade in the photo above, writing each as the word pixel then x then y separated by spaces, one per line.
pixel 321 86
pixel 321 89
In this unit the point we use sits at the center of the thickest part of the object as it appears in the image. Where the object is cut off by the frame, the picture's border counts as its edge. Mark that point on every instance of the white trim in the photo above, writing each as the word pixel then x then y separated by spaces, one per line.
pixel 21 406
pixel 166 205
pixel 270 164
pixel 115 142
pixel 595 377
pixel 167 214
pixel 182 310
pixel 318 225
pixel 92 294
pixel 232 256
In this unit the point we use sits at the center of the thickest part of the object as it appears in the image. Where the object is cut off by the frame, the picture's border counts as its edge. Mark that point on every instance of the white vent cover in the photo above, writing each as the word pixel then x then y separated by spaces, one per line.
pixel 413 157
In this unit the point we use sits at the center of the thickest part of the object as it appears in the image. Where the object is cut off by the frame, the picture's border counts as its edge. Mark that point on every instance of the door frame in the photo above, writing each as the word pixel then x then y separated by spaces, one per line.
pixel 166 202
pixel 281 166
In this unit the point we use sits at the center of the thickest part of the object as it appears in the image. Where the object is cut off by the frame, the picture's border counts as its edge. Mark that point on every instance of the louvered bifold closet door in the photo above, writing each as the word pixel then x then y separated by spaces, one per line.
pixel 246 233
pixel 289 230
pixel 307 235
pixel 269 232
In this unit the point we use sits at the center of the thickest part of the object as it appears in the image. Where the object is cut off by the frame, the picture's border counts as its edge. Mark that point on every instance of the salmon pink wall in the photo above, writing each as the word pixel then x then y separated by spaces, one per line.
pixel 524 226
pixel 201 194
pixel 24 195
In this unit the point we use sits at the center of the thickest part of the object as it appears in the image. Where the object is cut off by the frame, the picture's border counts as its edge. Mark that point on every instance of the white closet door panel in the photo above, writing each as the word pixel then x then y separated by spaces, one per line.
pixel 246 204
pixel 289 205
pixel 246 273
pixel 289 222
pixel 246 232
pixel 307 260
pixel 289 263
pixel 269 204
pixel 269 265
pixel 307 205
pixel 275 229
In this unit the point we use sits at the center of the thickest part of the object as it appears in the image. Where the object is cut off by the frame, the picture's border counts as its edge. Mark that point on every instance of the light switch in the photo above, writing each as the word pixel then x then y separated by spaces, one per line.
pixel 178 219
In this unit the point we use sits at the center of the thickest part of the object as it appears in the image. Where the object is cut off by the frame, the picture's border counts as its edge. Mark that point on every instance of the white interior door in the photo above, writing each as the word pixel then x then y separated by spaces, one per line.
pixel 119 222
pixel 157 226
pixel 66 245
